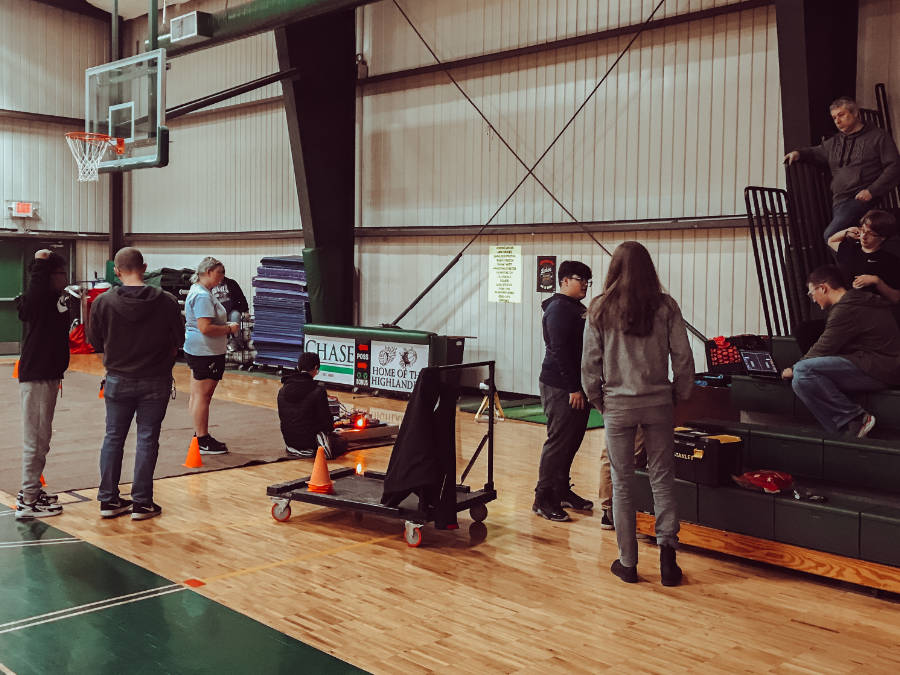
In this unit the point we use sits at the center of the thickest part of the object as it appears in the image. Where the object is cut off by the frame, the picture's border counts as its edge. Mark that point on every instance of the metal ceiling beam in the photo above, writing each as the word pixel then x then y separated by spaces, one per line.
pixel 242 21
pixel 79 7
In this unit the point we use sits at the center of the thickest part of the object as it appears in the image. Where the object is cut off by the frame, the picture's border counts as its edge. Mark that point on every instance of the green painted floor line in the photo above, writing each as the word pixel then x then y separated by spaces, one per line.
pixel 77 608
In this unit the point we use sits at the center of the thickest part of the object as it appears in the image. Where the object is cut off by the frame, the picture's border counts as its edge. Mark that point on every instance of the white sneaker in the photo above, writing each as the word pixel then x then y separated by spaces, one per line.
pixel 40 508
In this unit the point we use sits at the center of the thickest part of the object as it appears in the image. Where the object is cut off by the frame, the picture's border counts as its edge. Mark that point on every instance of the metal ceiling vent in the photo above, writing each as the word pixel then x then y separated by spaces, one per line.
pixel 191 28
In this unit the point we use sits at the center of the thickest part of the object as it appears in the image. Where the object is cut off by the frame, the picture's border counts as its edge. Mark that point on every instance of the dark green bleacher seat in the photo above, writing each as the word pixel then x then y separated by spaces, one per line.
pixel 685 496
pixel 879 535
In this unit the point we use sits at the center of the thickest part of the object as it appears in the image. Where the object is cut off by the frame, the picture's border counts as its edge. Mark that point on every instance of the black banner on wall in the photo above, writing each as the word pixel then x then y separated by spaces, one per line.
pixel 546 273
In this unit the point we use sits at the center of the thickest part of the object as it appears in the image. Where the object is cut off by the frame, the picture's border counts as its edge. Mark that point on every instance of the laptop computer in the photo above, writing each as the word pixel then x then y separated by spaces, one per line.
pixel 759 364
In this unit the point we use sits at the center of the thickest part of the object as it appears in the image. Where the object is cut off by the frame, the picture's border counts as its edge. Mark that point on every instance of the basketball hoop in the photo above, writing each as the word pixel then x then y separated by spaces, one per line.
pixel 88 150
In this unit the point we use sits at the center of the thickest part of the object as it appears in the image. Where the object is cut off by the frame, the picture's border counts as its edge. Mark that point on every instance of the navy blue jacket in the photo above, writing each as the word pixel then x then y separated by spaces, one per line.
pixel 563 326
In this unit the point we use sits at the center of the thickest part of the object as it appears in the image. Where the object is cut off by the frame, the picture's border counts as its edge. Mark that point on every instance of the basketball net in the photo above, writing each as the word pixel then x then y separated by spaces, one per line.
pixel 88 150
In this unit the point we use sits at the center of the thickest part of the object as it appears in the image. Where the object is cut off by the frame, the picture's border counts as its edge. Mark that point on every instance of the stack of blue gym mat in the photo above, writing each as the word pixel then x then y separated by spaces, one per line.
pixel 279 308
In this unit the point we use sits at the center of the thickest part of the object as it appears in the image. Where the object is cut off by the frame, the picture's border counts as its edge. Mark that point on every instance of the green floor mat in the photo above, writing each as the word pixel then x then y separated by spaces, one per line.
pixel 535 413
pixel 470 404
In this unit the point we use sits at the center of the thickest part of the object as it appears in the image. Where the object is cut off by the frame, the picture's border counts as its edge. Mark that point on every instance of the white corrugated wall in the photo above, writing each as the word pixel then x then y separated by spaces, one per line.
pixel 44 52
pixel 688 118
pixel 879 54
pixel 459 29
pixel 230 164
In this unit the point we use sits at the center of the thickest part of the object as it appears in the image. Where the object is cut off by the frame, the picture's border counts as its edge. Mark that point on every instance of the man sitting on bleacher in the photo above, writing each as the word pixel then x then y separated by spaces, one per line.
pixel 859 351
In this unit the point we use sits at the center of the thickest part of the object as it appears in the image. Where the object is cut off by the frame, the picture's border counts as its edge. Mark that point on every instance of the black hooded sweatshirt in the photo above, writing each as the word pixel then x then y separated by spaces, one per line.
pixel 865 160
pixel 139 330
pixel 45 346
pixel 563 325
pixel 303 410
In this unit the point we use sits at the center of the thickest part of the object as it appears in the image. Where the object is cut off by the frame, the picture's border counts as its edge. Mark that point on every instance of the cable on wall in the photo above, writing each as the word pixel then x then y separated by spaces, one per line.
pixel 529 170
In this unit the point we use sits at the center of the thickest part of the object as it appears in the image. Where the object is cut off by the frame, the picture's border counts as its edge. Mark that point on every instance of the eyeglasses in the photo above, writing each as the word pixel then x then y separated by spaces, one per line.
pixel 583 282
pixel 867 230
pixel 812 293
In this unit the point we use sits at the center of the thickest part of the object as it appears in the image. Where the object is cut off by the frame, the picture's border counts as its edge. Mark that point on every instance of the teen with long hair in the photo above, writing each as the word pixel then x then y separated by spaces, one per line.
pixel 633 330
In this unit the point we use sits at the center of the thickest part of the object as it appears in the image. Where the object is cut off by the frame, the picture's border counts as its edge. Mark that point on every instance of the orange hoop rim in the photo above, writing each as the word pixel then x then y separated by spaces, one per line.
pixel 91 137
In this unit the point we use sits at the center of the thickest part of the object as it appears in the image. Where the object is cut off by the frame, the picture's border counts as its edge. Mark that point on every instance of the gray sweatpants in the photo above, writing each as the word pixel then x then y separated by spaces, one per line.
pixel 38 404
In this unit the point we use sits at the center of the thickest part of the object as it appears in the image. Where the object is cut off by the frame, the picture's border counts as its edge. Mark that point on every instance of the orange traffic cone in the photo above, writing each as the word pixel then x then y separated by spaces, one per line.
pixel 43 482
pixel 193 459
pixel 16 370
pixel 320 481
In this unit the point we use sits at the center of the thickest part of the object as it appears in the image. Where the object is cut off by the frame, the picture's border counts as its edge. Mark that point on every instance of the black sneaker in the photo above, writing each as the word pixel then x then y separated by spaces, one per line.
pixel 294 452
pixel 210 446
pixel 45 497
pixel 116 507
pixel 606 521
pixel 39 508
pixel 322 440
pixel 550 511
pixel 626 574
pixel 143 512
pixel 573 501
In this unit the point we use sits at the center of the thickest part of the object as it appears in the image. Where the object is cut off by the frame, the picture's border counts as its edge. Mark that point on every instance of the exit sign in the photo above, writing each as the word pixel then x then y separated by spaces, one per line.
pixel 21 209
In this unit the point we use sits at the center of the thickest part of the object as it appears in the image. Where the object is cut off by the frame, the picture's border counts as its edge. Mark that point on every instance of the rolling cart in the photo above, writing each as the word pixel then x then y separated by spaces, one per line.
pixel 361 492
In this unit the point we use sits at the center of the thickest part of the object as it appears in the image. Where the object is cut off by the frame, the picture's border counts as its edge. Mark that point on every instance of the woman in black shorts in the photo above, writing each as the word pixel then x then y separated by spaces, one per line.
pixel 206 336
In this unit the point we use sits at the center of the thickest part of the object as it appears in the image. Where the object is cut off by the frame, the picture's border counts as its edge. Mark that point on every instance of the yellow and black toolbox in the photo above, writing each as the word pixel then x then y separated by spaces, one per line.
pixel 707 459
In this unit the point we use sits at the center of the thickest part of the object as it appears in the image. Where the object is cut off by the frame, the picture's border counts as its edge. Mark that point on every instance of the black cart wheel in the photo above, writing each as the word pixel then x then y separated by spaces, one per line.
pixel 478 512
pixel 413 534
pixel 281 512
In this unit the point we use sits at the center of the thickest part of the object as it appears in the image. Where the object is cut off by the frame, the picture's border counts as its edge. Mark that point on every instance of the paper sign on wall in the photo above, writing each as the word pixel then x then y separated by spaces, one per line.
pixel 505 274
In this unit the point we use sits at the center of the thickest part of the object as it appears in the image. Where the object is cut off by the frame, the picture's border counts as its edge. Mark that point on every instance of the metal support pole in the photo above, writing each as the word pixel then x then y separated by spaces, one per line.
pixel 152 26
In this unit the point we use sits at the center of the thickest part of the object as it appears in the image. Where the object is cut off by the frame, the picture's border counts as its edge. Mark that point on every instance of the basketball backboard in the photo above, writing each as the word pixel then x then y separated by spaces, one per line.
pixel 127 99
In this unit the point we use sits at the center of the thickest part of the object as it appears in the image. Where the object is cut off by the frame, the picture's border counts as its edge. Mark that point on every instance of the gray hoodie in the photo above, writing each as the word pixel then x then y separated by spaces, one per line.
pixel 865 160
pixel 622 372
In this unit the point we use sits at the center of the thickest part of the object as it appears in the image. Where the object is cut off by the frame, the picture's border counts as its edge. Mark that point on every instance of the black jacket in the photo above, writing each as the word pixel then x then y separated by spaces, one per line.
pixel 865 160
pixel 423 460
pixel 563 326
pixel 45 345
pixel 139 330
pixel 303 410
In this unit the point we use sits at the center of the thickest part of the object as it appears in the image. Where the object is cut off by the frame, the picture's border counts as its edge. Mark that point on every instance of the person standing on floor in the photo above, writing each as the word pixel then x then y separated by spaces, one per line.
pixel 139 330
pixel 562 397
pixel 206 338
pixel 232 297
pixel 45 357
pixel 633 330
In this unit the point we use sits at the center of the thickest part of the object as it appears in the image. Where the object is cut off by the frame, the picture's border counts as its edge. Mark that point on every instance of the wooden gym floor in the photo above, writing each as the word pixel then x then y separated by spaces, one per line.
pixel 529 597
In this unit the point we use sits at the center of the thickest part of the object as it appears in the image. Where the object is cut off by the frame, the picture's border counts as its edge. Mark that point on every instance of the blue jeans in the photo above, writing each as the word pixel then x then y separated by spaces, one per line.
pixel 127 397
pixel 822 384
pixel 621 426
pixel 846 214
